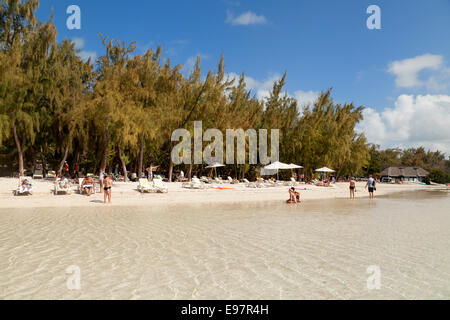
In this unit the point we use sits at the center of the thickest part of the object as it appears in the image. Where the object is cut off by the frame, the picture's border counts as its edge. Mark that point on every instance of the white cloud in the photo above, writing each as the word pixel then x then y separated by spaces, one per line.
pixel 306 98
pixel 83 54
pixel 407 71
pixel 79 43
pixel 414 121
pixel 245 19
pixel 262 89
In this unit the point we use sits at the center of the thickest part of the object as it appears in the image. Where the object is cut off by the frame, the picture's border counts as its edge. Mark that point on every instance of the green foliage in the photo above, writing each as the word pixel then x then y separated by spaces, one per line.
pixel 54 106
pixel 439 176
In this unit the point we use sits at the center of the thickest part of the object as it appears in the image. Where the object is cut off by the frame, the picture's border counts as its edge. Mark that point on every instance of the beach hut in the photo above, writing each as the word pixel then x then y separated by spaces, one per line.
pixel 409 174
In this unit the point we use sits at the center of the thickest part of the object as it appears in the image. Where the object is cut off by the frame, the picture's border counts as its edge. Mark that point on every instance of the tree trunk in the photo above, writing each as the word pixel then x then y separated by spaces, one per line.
pixel 19 149
pixel 122 161
pixel 190 172
pixel 170 169
pixel 105 151
pixel 141 160
pixel 171 163
pixel 66 153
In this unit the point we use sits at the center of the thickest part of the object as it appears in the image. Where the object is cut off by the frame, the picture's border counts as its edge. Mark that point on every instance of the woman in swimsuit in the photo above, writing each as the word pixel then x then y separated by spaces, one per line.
pixel 107 182
pixel 352 188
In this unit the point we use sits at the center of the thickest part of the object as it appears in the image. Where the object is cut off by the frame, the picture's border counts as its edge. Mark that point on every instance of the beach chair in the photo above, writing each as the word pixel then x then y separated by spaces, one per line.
pixel 194 184
pixel 230 181
pixel 159 186
pixel 51 175
pixel 60 190
pixel 145 186
pixel 204 179
pixel 80 187
pixel 23 191
pixel 38 174
pixel 218 180
pixel 248 184
pixel 291 183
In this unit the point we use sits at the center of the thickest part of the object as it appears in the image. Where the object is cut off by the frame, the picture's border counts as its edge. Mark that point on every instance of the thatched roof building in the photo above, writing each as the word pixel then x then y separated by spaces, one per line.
pixel 405 173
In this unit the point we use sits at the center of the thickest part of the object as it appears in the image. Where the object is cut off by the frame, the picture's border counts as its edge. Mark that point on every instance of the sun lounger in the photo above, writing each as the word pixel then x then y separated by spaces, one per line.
pixel 291 183
pixel 51 175
pixel 159 186
pixel 194 184
pixel 38 174
pixel 81 189
pixel 59 189
pixel 218 180
pixel 205 179
pixel 145 186
pixel 23 191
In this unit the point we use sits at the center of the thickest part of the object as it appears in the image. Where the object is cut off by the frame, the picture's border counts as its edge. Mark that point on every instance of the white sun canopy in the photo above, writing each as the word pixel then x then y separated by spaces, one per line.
pixel 215 165
pixel 277 166
pixel 325 170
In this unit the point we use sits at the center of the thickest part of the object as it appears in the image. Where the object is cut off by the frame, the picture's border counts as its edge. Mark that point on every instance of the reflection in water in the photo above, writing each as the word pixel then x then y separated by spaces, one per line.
pixel 314 250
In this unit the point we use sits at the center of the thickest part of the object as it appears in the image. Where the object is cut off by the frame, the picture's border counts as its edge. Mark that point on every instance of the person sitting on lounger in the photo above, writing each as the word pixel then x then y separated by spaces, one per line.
pixel 63 183
pixel 25 186
pixel 88 185
pixel 294 196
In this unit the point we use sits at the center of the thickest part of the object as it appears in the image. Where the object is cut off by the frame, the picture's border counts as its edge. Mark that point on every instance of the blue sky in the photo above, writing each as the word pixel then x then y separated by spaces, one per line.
pixel 321 44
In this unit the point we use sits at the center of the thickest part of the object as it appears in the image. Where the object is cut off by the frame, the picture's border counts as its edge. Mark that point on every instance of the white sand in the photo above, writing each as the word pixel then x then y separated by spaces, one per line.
pixel 126 194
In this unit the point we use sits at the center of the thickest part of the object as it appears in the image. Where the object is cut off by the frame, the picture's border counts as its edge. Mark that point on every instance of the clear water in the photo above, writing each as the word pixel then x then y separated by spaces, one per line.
pixel 316 250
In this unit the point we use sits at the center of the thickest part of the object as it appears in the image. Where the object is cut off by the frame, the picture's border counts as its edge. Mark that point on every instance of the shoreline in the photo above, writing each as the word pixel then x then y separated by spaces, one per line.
pixel 126 195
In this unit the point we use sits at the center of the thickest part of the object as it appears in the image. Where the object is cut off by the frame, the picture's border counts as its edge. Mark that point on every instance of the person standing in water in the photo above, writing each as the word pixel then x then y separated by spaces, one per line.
pixel 371 186
pixel 107 182
pixel 352 188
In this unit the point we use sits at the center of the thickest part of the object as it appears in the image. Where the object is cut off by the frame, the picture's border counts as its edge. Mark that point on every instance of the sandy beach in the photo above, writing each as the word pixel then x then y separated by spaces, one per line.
pixel 126 194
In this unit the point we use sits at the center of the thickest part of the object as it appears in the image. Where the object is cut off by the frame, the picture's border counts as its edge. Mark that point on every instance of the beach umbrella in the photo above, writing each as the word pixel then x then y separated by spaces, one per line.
pixel 325 170
pixel 278 166
pixel 294 166
pixel 214 166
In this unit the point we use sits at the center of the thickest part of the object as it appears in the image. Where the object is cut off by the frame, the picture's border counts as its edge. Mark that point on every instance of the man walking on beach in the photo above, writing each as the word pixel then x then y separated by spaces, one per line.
pixel 371 185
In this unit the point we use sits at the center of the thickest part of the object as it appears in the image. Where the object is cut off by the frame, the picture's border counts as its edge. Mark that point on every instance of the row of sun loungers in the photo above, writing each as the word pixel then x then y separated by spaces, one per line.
pixel 156 185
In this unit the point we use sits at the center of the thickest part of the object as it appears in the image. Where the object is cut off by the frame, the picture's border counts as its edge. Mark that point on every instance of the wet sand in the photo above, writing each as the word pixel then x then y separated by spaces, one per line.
pixel 271 250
